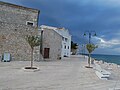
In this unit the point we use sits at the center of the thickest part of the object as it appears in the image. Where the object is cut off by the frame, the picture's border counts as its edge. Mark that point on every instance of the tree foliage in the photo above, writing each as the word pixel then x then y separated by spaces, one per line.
pixel 74 45
pixel 91 47
pixel 33 41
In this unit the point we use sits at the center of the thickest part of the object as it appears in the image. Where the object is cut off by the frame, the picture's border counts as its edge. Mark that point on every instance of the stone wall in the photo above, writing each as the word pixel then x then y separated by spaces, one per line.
pixel 13 30
pixel 11 13
pixel 52 40
pixel 12 40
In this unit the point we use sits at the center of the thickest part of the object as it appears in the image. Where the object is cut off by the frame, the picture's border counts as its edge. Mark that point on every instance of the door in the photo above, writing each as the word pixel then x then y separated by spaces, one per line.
pixel 46 52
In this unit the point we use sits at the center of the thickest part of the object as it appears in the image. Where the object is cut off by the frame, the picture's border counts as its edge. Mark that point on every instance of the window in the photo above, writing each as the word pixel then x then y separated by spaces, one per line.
pixel 30 23
pixel 68 47
pixel 63 38
pixel 66 39
pixel 65 46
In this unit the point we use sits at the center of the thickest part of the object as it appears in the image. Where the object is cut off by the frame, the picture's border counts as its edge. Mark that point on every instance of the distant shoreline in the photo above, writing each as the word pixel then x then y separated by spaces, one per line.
pixel 106 58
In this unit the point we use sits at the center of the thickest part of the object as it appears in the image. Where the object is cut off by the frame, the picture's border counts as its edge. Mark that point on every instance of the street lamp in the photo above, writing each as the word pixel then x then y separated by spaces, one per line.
pixel 83 50
pixel 90 33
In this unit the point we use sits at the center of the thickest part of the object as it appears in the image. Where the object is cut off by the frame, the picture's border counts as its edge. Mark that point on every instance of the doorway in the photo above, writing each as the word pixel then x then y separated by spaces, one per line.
pixel 46 52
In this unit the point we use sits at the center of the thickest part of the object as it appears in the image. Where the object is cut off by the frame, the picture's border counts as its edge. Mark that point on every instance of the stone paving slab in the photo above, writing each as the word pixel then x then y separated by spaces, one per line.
pixel 66 74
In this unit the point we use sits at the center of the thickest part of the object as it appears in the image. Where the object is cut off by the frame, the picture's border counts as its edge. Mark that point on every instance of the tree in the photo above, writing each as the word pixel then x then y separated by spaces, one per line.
pixel 74 47
pixel 33 41
pixel 90 48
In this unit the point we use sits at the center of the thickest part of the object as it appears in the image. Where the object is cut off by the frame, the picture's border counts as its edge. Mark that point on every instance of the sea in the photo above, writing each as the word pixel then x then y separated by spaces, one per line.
pixel 107 58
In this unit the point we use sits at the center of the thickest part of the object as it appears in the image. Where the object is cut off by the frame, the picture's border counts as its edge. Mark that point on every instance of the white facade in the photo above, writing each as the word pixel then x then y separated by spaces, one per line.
pixel 66 40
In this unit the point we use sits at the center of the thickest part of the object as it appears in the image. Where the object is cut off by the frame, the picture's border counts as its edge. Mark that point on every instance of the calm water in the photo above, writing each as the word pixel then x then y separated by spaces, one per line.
pixel 107 58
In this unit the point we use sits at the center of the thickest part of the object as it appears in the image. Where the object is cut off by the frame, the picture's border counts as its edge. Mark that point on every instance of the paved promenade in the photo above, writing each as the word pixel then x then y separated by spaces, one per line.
pixel 66 74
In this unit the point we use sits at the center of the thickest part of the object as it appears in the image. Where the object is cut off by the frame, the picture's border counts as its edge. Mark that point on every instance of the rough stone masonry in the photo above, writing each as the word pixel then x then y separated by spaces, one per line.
pixel 15 23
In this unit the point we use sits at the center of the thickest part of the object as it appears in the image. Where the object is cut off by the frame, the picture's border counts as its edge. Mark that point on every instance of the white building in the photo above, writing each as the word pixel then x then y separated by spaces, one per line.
pixel 65 39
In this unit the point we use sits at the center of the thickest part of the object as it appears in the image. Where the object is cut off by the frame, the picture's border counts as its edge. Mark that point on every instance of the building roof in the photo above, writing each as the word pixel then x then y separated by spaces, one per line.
pixel 51 27
pixel 47 27
pixel 18 6
pixel 61 31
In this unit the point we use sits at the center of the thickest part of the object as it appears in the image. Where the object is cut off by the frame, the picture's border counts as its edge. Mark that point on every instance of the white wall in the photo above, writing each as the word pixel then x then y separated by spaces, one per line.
pixel 66 42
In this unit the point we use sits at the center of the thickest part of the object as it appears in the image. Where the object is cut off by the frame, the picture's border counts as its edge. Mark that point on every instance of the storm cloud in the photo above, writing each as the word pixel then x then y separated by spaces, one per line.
pixel 78 16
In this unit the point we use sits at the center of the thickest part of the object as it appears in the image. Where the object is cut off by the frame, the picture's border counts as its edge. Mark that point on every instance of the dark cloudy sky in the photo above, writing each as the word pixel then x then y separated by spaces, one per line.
pixel 102 16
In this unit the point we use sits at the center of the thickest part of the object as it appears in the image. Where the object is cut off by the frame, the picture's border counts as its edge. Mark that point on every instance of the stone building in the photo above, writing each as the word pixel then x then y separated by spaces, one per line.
pixel 15 23
pixel 55 42
pixel 51 44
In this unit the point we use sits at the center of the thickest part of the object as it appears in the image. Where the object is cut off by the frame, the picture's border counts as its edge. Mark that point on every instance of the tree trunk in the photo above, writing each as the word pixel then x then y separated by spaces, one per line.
pixel 89 60
pixel 32 58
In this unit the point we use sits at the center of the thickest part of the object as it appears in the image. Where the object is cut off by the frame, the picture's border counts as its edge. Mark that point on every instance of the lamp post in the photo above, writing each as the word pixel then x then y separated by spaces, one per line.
pixel 90 33
pixel 83 50
pixel 88 46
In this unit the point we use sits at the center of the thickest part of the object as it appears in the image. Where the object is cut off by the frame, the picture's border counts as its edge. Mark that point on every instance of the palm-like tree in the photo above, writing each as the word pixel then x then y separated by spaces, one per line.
pixel 90 48
pixel 33 41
